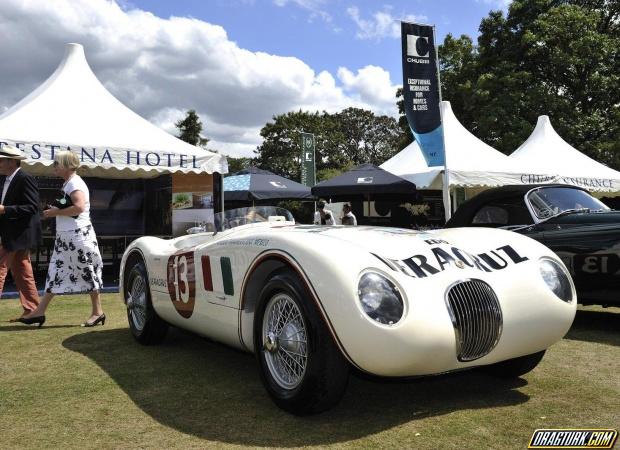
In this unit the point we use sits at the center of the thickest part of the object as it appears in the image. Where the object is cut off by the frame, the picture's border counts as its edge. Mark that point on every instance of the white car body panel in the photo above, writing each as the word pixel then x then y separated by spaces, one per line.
pixel 330 261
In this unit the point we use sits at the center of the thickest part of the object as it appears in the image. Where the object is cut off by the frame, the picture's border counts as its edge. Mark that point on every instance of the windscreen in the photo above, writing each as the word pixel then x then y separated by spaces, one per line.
pixel 549 201
pixel 243 216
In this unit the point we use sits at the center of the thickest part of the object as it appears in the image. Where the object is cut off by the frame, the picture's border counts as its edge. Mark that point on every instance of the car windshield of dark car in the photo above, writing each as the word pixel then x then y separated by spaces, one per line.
pixel 232 218
pixel 548 202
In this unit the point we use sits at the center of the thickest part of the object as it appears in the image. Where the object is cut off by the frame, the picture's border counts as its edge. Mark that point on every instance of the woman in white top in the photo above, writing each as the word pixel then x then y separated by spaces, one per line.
pixel 75 266
pixel 348 218
pixel 323 216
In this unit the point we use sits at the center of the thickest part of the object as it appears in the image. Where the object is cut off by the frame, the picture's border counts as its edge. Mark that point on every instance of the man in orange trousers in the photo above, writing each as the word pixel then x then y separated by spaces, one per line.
pixel 20 225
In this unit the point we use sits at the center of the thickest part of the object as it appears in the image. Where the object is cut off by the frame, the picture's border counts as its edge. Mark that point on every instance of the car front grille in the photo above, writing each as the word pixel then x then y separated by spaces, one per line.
pixel 476 316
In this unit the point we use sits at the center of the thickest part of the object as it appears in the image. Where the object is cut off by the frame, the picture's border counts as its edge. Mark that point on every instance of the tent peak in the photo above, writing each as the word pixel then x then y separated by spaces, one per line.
pixel 445 109
pixel 73 110
pixel 73 47
pixel 544 128
pixel 543 124
pixel 74 57
pixel 546 152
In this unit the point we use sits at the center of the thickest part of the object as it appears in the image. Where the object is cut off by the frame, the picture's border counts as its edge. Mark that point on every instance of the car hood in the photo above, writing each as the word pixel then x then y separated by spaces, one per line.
pixel 398 243
pixel 589 218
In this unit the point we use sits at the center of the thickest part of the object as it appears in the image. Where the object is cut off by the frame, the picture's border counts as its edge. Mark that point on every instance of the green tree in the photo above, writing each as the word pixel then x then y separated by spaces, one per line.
pixel 555 57
pixel 280 151
pixel 406 136
pixel 328 174
pixel 458 69
pixel 190 129
pixel 350 137
pixel 237 164
pixel 365 137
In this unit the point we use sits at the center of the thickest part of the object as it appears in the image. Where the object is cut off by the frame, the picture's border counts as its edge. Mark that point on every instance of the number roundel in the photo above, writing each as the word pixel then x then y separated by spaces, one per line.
pixel 182 283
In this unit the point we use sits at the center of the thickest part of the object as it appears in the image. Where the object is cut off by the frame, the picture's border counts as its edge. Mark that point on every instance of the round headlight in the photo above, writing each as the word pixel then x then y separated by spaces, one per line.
pixel 556 279
pixel 380 298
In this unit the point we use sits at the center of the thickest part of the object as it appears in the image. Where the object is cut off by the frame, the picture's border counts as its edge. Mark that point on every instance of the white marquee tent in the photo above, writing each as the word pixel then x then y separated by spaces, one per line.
pixel 73 110
pixel 546 153
pixel 472 164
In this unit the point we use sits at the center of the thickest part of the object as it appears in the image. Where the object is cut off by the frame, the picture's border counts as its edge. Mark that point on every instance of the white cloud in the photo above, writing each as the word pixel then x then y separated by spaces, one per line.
pixel 371 85
pixel 162 67
pixel 382 24
pixel 314 6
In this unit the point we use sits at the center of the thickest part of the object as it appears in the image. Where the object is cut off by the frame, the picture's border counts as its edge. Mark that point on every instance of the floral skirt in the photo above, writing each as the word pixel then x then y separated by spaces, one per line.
pixel 76 265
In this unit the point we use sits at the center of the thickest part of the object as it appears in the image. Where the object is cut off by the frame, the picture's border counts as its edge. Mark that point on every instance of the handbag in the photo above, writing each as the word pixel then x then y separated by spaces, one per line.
pixel 63 202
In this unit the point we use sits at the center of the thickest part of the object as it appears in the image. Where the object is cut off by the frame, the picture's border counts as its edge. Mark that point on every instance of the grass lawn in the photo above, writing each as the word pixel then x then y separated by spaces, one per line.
pixel 63 386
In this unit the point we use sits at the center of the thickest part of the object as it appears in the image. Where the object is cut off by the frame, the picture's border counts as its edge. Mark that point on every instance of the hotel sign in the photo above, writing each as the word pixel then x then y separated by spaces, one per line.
pixel 110 156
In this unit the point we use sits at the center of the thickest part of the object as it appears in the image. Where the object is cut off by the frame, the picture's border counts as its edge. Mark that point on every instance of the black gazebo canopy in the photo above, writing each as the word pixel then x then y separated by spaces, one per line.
pixel 254 184
pixel 364 180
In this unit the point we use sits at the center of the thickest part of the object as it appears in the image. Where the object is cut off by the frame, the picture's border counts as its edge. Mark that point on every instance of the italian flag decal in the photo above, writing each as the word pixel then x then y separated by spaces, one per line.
pixel 217 274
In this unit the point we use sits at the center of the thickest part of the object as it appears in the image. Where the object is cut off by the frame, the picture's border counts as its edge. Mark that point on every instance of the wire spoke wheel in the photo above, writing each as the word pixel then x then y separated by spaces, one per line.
pixel 300 366
pixel 285 341
pixel 136 301
pixel 145 325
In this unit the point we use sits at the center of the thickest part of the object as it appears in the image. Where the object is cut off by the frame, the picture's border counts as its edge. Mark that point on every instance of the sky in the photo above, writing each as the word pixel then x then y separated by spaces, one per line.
pixel 238 63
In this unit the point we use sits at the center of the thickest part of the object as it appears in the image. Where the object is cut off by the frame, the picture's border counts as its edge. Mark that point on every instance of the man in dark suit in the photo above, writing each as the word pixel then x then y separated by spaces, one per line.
pixel 20 225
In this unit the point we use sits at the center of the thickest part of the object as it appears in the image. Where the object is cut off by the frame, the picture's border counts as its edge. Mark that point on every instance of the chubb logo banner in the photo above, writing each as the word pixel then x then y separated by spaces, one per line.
pixel 421 90
pixel 418 46
pixel 573 438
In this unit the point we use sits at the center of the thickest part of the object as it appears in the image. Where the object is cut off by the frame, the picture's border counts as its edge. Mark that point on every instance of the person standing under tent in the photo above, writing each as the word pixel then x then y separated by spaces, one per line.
pixel 348 218
pixel 323 216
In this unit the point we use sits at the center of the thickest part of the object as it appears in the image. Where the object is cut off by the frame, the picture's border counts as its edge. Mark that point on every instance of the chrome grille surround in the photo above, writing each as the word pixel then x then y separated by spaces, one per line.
pixel 476 316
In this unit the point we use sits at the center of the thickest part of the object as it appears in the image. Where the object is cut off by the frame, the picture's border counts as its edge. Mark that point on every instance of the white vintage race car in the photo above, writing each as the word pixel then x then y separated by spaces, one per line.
pixel 314 301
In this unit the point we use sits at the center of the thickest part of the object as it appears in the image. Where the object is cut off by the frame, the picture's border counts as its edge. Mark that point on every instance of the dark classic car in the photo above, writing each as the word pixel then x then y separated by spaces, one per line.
pixel 579 228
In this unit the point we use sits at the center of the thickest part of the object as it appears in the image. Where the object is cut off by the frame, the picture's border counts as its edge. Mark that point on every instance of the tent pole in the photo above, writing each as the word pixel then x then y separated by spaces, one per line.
pixel 455 198
pixel 221 180
pixel 447 204
pixel 446 173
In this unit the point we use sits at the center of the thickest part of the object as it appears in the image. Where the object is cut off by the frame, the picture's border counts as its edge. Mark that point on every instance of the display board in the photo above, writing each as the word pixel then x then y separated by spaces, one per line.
pixel 192 202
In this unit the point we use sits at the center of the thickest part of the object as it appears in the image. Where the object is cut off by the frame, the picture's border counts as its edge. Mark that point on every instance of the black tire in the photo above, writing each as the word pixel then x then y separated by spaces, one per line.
pixel 513 368
pixel 146 326
pixel 323 381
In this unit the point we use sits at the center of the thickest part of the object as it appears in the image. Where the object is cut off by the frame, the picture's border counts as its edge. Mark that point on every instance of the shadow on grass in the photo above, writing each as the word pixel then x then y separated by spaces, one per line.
pixel 211 391
pixel 19 327
pixel 596 326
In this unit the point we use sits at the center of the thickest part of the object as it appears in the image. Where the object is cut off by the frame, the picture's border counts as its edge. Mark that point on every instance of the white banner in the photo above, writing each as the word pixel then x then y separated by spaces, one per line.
pixel 121 158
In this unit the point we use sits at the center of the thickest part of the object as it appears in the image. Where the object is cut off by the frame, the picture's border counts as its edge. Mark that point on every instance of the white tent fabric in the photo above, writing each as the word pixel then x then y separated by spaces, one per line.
pixel 410 164
pixel 546 153
pixel 471 162
pixel 73 110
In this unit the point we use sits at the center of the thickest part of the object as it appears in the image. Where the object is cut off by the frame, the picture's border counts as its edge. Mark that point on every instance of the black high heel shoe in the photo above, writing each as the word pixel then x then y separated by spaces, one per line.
pixel 30 320
pixel 98 320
